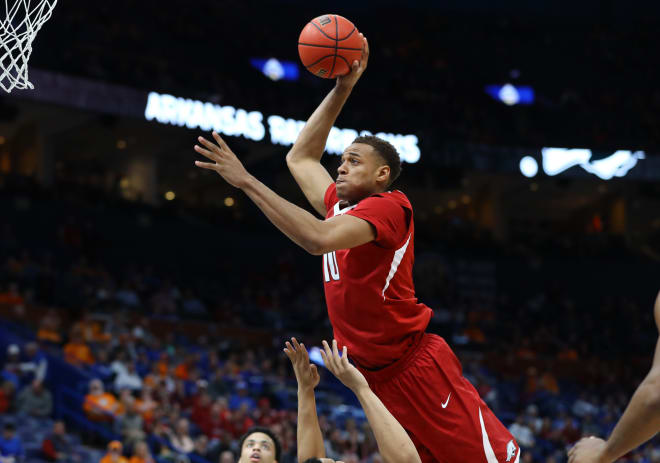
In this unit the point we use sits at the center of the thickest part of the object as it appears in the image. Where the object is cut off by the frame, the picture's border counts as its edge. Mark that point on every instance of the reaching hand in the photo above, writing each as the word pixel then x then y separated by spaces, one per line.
pixel 226 163
pixel 588 450
pixel 341 367
pixel 357 67
pixel 306 374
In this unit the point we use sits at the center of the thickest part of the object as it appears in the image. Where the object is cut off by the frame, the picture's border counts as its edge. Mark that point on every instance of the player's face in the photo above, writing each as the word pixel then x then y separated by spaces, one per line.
pixel 258 448
pixel 360 173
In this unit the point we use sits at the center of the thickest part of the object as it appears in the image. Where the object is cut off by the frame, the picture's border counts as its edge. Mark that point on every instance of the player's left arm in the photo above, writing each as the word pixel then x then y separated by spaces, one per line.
pixel 315 236
pixel 308 434
pixel 640 420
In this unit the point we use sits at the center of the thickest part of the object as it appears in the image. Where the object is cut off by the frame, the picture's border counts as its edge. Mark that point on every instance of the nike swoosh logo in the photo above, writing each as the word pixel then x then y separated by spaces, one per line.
pixel 444 405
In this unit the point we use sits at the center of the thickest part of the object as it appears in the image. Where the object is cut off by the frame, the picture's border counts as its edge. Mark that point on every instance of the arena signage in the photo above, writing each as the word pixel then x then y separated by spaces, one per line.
pixel 227 120
pixel 558 160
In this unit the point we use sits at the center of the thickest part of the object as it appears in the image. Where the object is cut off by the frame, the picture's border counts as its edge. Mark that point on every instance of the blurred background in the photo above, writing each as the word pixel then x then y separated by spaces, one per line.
pixel 530 135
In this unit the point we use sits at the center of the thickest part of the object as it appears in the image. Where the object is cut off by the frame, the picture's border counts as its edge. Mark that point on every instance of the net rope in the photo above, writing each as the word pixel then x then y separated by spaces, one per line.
pixel 18 28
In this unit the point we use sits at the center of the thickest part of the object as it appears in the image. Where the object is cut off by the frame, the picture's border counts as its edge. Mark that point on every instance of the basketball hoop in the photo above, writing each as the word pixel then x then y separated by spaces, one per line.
pixel 18 27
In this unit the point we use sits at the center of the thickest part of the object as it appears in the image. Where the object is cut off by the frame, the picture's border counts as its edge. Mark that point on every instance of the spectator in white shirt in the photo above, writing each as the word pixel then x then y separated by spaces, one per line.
pixel 128 379
pixel 522 433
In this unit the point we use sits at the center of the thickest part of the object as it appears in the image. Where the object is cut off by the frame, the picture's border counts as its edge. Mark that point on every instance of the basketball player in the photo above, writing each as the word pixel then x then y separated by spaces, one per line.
pixel 639 422
pixel 367 241
pixel 260 445
pixel 394 444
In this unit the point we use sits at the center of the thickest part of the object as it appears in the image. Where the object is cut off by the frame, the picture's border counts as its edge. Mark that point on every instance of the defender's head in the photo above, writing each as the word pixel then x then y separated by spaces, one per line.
pixel 369 165
pixel 260 445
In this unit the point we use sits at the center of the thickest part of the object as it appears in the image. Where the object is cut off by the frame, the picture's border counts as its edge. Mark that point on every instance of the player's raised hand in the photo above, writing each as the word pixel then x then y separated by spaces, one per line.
pixel 588 450
pixel 342 368
pixel 225 162
pixel 306 373
pixel 357 67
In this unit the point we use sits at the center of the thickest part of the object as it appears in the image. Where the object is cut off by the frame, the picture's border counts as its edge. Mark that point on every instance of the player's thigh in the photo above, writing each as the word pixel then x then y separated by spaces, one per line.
pixel 433 400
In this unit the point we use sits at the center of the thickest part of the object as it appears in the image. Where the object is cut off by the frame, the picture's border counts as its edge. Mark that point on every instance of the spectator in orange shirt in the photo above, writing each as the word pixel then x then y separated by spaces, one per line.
pixel 162 366
pixel 475 335
pixel 91 329
pixel 146 405
pixel 11 296
pixel 49 328
pixel 525 351
pixel 181 371
pixel 531 382
pixel 114 453
pixel 100 405
pixel 548 382
pixel 568 354
pixel 152 378
pixel 76 352
pixel 141 454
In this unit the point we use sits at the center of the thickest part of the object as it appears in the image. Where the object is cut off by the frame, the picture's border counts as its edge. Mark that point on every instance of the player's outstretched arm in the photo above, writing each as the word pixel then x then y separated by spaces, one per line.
pixel 309 437
pixel 304 158
pixel 393 441
pixel 639 422
pixel 313 235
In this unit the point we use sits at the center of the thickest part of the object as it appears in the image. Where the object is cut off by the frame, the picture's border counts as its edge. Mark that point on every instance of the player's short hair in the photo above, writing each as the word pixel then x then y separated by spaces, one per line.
pixel 312 460
pixel 266 431
pixel 387 151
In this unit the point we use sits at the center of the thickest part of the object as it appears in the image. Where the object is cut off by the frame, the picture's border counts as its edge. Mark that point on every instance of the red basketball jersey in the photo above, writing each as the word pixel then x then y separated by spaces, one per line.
pixel 369 289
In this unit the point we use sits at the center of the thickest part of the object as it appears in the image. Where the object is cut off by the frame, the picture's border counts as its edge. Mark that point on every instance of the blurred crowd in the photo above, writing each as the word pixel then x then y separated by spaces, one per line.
pixel 176 370
pixel 169 396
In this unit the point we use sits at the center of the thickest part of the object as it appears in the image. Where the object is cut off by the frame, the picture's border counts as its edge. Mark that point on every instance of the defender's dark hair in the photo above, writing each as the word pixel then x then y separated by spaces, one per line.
pixel 312 460
pixel 388 152
pixel 266 431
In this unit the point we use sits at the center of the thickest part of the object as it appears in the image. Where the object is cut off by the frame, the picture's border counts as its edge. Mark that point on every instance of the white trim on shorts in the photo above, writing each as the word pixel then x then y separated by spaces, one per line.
pixel 488 449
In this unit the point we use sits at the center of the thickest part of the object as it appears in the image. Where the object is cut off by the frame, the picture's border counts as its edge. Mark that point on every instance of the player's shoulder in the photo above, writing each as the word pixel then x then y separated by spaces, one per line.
pixel 396 196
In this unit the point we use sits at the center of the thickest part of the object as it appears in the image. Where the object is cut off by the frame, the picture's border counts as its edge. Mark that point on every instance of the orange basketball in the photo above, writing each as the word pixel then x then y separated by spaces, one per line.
pixel 328 45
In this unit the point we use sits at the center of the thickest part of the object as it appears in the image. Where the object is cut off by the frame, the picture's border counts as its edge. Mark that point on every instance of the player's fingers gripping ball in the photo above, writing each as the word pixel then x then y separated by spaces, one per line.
pixel 328 45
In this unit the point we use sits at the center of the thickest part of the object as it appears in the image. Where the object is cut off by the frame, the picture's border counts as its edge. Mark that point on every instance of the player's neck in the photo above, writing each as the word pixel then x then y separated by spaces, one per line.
pixel 352 202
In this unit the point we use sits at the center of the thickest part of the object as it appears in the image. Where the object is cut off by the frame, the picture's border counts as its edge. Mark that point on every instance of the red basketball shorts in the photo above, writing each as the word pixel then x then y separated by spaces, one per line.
pixel 441 410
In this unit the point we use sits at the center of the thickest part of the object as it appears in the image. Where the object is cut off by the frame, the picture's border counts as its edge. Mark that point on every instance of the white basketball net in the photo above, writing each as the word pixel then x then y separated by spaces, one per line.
pixel 18 27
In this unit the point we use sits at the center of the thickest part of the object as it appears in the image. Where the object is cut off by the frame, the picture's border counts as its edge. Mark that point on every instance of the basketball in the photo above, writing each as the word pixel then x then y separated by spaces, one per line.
pixel 328 45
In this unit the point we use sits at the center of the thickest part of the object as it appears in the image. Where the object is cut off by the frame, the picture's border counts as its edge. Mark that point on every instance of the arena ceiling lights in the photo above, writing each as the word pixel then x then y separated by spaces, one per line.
pixel 276 69
pixel 227 120
pixel 510 94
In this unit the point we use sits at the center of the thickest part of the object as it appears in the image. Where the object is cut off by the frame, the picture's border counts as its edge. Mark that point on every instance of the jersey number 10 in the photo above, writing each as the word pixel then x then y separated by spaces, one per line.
pixel 330 267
